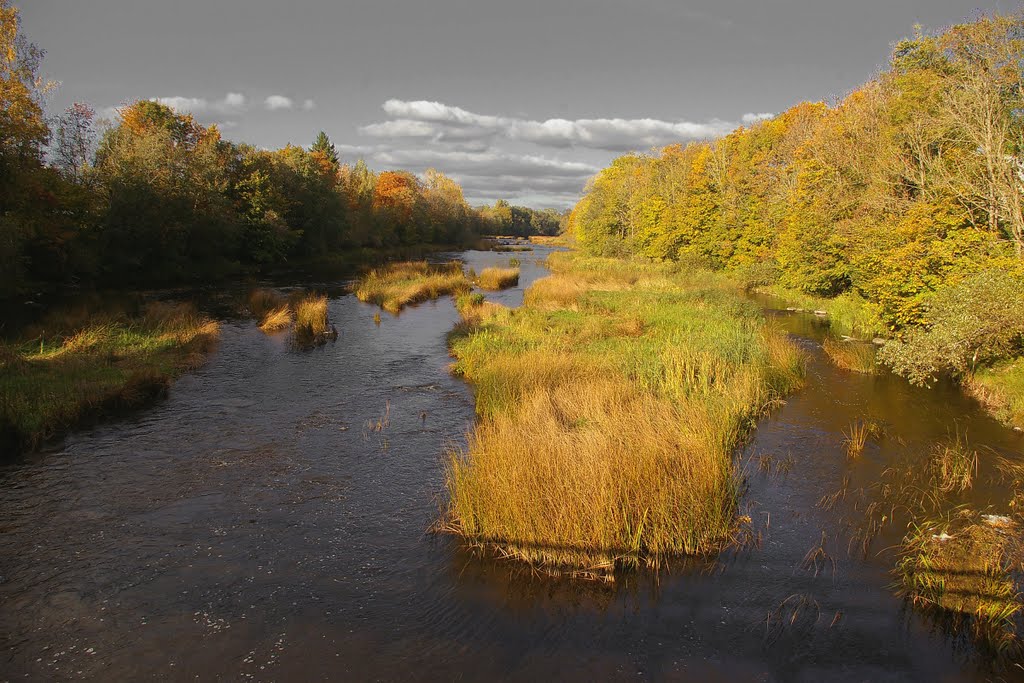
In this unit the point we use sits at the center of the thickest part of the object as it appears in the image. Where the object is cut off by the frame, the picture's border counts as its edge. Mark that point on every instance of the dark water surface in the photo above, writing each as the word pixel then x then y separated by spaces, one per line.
pixel 255 525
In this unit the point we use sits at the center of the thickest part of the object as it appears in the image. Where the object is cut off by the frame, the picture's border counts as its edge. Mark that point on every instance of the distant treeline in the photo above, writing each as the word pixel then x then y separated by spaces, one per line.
pixel 156 198
pixel 907 196
pixel 505 219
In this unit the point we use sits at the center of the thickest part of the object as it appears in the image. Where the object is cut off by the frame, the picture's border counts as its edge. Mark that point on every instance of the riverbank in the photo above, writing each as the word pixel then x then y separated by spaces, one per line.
pixel 999 387
pixel 50 384
pixel 610 406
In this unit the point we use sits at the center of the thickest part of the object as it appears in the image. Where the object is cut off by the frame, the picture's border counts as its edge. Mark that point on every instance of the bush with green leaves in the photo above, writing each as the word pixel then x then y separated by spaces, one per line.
pixel 970 324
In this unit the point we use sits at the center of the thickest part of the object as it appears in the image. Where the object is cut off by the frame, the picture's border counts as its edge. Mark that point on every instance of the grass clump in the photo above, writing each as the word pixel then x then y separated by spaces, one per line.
pixel 311 324
pixel 551 240
pixel 49 385
pixel 398 285
pixel 498 278
pixel 953 465
pixel 277 319
pixel 610 406
pixel 856 439
pixel 851 355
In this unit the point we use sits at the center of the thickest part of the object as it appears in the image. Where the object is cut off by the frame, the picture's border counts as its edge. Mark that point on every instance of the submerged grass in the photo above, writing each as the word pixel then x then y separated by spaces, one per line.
pixel 498 278
pixel 49 385
pixel 398 285
pixel 959 570
pixel 610 405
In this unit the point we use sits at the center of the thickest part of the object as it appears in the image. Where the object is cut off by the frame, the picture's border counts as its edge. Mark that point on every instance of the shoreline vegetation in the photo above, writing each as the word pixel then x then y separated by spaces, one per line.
pixel 99 365
pixel 610 405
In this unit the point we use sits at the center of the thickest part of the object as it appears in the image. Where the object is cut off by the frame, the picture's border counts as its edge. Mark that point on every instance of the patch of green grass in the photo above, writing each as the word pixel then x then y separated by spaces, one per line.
pixel 610 406
pixel 49 385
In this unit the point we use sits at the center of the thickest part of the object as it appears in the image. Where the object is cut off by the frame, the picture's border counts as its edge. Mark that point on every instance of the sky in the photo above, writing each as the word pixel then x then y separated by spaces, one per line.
pixel 521 100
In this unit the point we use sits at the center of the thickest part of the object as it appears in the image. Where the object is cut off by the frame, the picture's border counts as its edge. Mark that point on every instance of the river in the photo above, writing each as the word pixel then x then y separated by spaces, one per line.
pixel 255 525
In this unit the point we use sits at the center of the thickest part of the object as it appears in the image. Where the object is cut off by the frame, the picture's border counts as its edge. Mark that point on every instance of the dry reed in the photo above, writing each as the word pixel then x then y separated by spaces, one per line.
pixel 498 278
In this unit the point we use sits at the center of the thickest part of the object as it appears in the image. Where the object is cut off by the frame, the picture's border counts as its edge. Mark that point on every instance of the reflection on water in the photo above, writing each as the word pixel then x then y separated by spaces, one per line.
pixel 254 525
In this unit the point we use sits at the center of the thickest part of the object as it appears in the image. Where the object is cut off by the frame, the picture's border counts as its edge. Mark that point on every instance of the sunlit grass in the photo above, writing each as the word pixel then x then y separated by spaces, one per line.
pixel 498 278
pixel 957 569
pixel 847 314
pixel 263 301
pixel 398 285
pixel 475 309
pixel 610 406
pixel 552 240
pixel 311 324
pixel 851 355
pixel 277 319
pixel 1001 389
pixel 48 385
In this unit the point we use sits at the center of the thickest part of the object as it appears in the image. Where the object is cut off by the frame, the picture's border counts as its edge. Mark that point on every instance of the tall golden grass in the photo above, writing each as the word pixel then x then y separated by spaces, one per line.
pixel 498 278
pixel 311 324
pixel 610 406
pixel 398 285
pixel 276 319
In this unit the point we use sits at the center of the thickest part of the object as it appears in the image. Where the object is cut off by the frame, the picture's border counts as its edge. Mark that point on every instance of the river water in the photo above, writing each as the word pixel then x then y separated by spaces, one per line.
pixel 256 525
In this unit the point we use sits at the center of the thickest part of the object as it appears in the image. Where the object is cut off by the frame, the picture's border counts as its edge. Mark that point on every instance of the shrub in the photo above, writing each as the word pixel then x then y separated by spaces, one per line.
pixel 970 324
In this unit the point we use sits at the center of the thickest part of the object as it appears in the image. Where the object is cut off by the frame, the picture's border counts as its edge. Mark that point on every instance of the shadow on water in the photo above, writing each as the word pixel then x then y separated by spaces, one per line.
pixel 258 525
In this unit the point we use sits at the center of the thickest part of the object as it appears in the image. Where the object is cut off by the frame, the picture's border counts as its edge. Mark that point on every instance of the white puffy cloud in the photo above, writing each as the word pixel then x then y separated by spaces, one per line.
pixel 231 103
pixel 755 118
pixel 277 102
pixel 440 122
pixel 179 104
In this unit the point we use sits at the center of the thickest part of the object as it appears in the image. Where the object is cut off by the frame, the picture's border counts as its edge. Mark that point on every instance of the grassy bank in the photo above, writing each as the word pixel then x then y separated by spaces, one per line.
pixel 847 314
pixel 610 405
pixel 51 384
pixel 1000 389
pixel 395 286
